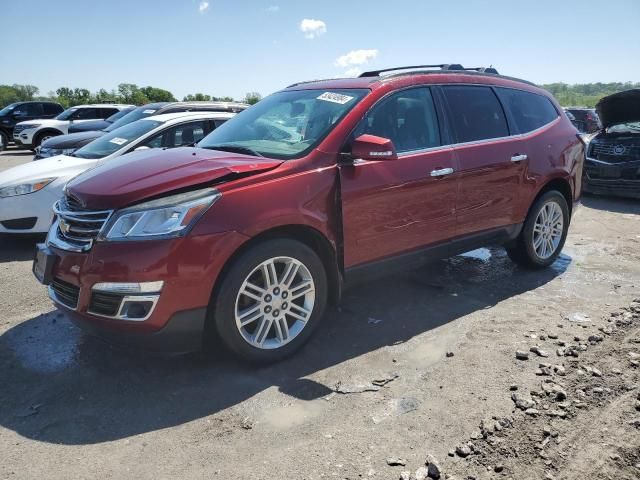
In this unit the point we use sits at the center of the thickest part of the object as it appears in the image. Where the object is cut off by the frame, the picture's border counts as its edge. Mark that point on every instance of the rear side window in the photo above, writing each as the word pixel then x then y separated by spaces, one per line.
pixel 52 109
pixel 407 118
pixel 476 113
pixel 107 112
pixel 528 110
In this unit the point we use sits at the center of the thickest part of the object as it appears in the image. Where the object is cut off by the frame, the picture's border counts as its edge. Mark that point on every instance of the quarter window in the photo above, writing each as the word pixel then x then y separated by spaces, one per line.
pixel 407 118
pixel 476 113
pixel 528 110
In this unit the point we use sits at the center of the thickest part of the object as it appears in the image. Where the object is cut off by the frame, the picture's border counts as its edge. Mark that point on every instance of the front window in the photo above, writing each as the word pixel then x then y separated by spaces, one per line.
pixel 114 141
pixel 67 114
pixel 7 109
pixel 132 116
pixel 286 124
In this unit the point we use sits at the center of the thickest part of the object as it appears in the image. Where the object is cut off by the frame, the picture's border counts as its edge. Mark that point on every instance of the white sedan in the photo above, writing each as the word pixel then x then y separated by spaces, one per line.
pixel 28 191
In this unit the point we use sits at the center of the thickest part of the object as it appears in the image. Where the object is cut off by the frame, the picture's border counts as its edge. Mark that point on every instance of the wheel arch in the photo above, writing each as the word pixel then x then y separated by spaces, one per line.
pixel 309 236
pixel 44 131
pixel 559 184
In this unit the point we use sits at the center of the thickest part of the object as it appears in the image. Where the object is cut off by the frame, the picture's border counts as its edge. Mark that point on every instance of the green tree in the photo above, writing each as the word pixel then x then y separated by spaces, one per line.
pixel 197 97
pixel 252 98
pixel 155 94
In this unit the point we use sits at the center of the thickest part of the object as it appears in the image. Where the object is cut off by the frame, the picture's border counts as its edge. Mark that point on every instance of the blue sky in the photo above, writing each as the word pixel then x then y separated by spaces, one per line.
pixel 230 47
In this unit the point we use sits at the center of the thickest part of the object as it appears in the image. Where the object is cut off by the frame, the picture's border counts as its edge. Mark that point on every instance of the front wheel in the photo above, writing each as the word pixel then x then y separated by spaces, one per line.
pixel 544 232
pixel 270 300
pixel 4 141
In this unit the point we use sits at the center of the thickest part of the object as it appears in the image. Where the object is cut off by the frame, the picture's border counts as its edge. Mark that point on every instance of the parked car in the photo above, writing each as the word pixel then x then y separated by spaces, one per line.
pixel 100 124
pixel 21 111
pixel 251 232
pixel 32 133
pixel 28 191
pixel 585 119
pixel 612 165
pixel 66 144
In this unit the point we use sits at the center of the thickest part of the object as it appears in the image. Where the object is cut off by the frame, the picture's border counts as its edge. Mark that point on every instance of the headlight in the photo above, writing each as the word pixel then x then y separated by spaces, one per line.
pixel 24 188
pixel 51 152
pixel 26 126
pixel 163 218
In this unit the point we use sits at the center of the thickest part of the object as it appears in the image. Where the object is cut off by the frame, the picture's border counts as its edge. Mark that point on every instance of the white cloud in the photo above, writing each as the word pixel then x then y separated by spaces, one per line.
pixel 312 28
pixel 352 72
pixel 203 7
pixel 273 8
pixel 356 57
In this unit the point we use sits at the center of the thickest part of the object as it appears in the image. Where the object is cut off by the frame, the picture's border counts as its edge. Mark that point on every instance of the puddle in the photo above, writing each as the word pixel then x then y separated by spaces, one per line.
pixel 292 415
pixel 46 344
pixel 482 254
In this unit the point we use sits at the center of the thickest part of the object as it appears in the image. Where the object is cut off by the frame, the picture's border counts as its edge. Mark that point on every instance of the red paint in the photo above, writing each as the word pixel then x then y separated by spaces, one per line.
pixel 366 212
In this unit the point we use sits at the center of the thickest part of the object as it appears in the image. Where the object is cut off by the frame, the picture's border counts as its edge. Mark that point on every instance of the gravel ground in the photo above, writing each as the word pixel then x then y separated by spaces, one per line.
pixel 410 366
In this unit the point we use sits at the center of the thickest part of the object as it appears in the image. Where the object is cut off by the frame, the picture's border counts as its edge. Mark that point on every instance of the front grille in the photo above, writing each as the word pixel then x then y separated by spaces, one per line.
pixel 107 304
pixel 65 293
pixel 78 225
pixel 614 152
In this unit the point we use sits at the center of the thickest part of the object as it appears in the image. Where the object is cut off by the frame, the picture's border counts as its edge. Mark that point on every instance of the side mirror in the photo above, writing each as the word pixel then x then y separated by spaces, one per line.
pixel 371 147
pixel 141 147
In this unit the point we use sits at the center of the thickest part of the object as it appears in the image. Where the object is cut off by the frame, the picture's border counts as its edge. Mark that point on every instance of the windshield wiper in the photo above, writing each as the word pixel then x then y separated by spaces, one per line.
pixel 234 148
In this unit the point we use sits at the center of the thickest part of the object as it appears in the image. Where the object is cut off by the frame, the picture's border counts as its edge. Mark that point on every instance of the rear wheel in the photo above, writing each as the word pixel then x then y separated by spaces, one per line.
pixel 544 232
pixel 270 300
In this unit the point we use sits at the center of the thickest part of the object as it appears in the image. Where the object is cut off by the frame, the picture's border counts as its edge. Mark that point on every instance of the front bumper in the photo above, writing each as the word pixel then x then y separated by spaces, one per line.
pixel 32 205
pixel 24 138
pixel 188 266
pixel 619 180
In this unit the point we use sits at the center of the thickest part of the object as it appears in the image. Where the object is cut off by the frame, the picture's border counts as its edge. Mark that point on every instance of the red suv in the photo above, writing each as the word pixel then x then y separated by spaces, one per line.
pixel 248 235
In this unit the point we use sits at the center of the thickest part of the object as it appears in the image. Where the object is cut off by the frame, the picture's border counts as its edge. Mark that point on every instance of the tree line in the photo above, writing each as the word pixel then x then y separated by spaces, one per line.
pixel 128 93
pixel 582 94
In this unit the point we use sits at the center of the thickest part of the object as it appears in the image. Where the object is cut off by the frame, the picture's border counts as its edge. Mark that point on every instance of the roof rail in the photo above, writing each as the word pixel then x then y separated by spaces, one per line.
pixel 483 70
pixel 443 66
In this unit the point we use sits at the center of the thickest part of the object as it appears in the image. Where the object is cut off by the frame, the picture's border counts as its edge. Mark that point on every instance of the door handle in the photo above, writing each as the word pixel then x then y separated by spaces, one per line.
pixel 518 158
pixel 441 172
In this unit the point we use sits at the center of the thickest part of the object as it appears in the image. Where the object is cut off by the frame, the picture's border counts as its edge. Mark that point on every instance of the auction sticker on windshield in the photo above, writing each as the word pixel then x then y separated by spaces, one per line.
pixel 148 112
pixel 335 98
pixel 118 140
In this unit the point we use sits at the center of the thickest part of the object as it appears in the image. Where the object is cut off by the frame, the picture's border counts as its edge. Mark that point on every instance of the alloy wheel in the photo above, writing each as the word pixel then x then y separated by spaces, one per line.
pixel 275 302
pixel 548 229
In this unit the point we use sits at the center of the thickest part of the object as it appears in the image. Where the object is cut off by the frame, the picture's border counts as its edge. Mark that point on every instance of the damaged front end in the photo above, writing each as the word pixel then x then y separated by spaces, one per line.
pixel 612 165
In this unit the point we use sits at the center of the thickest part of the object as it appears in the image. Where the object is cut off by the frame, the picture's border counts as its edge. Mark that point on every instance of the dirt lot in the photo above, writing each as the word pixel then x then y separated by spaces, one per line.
pixel 429 356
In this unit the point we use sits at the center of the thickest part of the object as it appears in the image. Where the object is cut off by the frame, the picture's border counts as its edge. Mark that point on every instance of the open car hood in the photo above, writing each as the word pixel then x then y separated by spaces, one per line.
pixel 621 107
pixel 151 173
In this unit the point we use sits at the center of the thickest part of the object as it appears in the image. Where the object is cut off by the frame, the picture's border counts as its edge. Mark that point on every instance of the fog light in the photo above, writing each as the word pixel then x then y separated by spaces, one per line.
pixel 135 309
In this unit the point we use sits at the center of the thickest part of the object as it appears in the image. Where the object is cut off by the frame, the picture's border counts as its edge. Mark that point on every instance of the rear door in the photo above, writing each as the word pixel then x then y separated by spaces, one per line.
pixel 395 206
pixel 491 162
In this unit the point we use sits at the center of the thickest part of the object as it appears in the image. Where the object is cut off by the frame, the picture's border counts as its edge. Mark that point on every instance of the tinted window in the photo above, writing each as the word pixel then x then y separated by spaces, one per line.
pixel 528 110
pixel 476 113
pixel 86 113
pixel 180 135
pixel 29 110
pixel 52 109
pixel 407 118
pixel 107 112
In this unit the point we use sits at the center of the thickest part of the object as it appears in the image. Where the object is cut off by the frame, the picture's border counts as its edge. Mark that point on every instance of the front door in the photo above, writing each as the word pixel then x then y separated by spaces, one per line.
pixel 396 206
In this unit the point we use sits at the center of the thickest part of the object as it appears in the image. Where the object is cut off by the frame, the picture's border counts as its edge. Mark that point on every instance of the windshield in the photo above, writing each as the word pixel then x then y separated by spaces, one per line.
pixel 114 141
pixel 7 109
pixel 286 124
pixel 631 127
pixel 132 116
pixel 66 114
pixel 118 115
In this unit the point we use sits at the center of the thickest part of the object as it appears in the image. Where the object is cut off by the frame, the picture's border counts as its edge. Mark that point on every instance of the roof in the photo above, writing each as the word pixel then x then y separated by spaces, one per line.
pixel 169 117
pixel 453 73
pixel 102 105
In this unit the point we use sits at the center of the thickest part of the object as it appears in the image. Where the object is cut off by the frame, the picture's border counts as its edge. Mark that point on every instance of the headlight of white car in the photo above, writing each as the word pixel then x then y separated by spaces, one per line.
pixel 24 188
pixel 166 217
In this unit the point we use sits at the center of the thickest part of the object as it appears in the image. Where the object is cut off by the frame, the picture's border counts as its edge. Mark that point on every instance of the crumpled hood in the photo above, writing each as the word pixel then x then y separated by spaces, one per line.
pixel 144 174
pixel 72 140
pixel 54 167
pixel 621 107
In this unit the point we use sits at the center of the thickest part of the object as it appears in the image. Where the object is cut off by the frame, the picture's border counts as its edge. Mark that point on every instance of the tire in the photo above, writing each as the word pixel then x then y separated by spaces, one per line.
pixel 271 307
pixel 4 141
pixel 41 137
pixel 528 249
